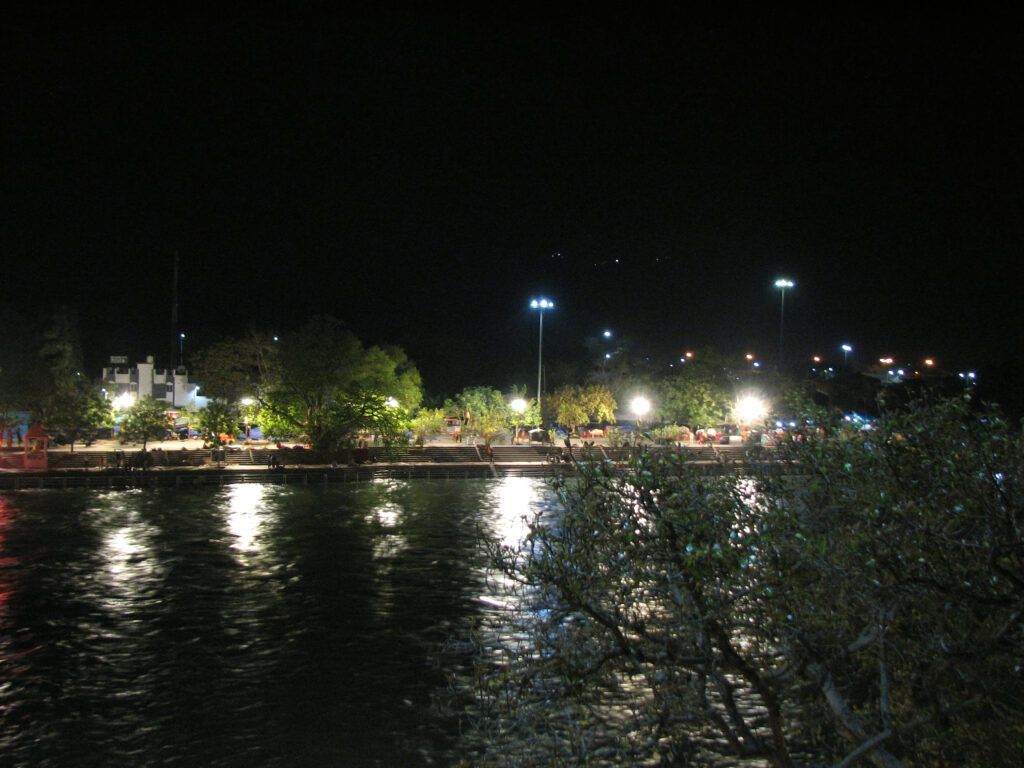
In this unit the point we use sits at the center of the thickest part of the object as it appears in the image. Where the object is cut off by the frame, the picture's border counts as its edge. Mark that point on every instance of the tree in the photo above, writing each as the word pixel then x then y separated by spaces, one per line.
pixel 700 392
pixel 573 406
pixel 21 368
pixel 75 412
pixel 428 421
pixel 145 420
pixel 324 384
pixel 218 418
pixel 236 368
pixel 67 403
pixel 867 611
pixel 567 408
pixel 484 412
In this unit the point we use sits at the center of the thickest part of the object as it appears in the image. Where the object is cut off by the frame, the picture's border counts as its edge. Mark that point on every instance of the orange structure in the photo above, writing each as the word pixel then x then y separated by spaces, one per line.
pixel 36 444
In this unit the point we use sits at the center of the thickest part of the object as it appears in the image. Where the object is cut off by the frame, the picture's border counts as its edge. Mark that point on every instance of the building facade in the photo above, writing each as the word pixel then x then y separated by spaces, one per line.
pixel 122 383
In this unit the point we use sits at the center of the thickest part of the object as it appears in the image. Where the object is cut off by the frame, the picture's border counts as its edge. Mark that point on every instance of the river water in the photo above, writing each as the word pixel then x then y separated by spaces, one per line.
pixel 247 625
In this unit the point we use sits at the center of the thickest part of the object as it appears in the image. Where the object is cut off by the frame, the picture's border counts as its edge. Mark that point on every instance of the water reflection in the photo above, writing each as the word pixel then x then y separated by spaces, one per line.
pixel 515 500
pixel 245 514
pixel 248 625
pixel 127 557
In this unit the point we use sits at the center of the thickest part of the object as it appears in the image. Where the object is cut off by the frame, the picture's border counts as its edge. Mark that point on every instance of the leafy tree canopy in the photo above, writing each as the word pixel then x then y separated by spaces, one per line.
pixel 323 383
pixel 218 418
pixel 428 421
pixel 701 391
pixel 145 420
pixel 235 369
pixel 485 412
pixel 66 401
pixel 865 611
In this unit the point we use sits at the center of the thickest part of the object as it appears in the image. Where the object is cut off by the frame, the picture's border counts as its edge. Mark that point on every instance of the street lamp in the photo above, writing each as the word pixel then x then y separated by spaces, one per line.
pixel 847 349
pixel 640 406
pixel 519 408
pixel 782 284
pixel 750 409
pixel 607 334
pixel 181 349
pixel 540 304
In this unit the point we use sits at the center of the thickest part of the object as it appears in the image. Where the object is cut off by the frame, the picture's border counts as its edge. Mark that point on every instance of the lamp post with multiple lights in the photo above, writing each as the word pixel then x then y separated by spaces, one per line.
pixel 782 284
pixel 605 357
pixel 540 304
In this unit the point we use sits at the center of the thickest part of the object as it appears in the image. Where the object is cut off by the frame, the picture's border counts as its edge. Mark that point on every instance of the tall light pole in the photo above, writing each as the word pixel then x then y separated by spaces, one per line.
pixel 782 284
pixel 540 304
pixel 847 349
pixel 181 349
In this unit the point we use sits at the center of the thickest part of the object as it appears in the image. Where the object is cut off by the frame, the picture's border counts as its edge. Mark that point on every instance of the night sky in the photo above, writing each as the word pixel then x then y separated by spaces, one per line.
pixel 422 177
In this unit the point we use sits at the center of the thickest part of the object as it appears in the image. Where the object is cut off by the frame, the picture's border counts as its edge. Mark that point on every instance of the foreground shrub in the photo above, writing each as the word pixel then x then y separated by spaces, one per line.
pixel 865 609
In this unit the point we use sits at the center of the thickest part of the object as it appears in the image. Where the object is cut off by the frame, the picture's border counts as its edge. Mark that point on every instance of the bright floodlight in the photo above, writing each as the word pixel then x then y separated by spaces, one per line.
pixel 247 401
pixel 542 304
pixel 846 348
pixel 750 409
pixel 640 406
pixel 124 401
pixel 784 283
pixel 607 334
pixel 518 405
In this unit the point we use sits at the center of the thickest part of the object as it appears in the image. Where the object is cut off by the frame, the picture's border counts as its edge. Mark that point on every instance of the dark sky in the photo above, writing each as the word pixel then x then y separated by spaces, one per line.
pixel 422 177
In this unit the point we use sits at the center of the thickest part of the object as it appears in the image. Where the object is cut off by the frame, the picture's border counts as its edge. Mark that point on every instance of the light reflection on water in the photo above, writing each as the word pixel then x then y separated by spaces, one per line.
pixel 247 625
pixel 246 511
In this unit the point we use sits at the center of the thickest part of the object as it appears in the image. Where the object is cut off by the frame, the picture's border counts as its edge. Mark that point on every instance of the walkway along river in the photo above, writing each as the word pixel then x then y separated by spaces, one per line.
pixel 202 468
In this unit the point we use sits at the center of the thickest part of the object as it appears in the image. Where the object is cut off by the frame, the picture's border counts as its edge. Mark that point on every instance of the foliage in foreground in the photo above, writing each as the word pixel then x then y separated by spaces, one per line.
pixel 865 611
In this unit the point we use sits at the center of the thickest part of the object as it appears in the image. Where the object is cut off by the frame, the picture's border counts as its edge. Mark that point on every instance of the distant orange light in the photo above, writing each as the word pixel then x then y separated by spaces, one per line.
pixel 749 356
pixel 816 358
pixel 885 360
pixel 689 354
pixel 929 362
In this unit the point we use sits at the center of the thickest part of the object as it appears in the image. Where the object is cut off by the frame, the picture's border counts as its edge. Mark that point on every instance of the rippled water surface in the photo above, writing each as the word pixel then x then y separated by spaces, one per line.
pixel 241 626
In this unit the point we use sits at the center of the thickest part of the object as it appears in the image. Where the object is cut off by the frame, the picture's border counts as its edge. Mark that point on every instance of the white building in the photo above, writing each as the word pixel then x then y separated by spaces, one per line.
pixel 146 380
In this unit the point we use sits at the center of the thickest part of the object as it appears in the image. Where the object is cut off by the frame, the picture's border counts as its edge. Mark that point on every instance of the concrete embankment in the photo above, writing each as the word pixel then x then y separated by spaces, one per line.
pixel 184 469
